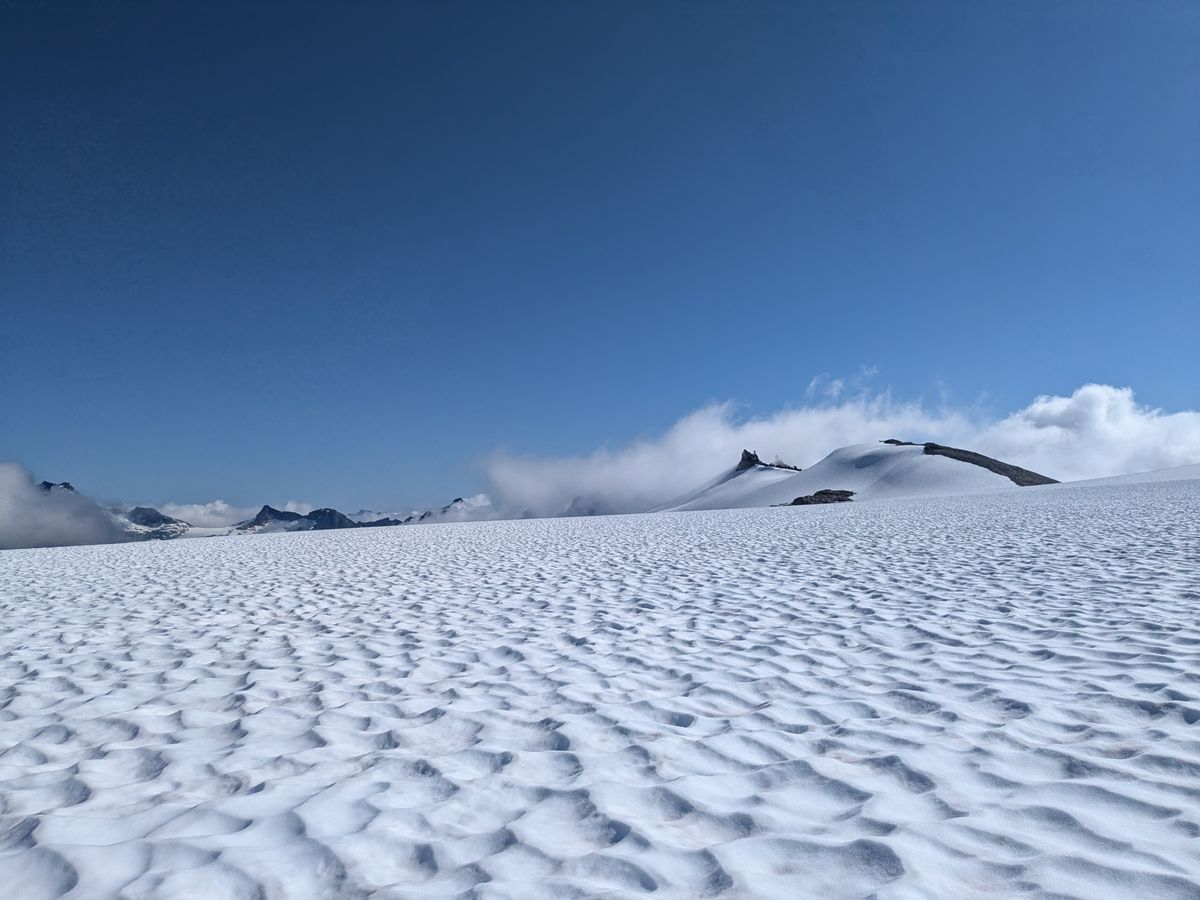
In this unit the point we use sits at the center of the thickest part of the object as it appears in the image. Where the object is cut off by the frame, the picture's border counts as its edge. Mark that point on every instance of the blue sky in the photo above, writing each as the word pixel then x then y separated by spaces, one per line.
pixel 345 252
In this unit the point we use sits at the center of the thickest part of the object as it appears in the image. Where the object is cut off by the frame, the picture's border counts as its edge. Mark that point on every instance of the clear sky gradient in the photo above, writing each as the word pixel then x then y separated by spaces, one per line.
pixel 341 252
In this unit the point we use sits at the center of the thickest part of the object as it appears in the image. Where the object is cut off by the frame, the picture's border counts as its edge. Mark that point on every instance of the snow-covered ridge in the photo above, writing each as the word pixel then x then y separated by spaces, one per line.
pixel 877 471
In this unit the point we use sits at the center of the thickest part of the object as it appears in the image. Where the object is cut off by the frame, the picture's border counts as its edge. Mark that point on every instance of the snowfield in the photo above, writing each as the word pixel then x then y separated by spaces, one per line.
pixel 993 695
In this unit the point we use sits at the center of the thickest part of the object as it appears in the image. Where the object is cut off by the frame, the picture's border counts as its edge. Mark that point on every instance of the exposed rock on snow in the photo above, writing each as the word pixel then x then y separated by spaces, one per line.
pixel 1015 474
pixel 750 459
pixel 820 497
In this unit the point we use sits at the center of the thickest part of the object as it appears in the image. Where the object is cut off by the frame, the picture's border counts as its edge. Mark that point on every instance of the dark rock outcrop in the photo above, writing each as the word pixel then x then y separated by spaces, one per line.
pixel 1015 474
pixel 822 496
pixel 750 459
pixel 48 486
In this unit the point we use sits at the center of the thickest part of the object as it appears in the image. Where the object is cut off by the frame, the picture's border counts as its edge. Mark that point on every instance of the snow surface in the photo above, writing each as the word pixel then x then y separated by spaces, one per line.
pixel 1178 473
pixel 873 471
pixel 976 696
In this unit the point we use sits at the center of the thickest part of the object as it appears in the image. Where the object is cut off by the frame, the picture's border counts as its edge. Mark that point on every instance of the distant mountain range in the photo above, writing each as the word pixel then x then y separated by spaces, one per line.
pixel 891 468
pixel 144 523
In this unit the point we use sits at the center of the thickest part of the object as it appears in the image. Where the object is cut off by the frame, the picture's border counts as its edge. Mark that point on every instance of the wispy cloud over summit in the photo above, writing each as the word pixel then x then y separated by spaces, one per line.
pixel 33 517
pixel 1098 430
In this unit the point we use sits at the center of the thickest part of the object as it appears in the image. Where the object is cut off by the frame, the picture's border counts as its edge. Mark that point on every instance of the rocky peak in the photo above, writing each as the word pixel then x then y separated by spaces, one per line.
pixel 270 514
pixel 49 486
pixel 748 461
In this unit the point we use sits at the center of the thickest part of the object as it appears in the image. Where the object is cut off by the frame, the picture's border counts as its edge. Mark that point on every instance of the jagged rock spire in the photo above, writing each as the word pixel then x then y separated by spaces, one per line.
pixel 749 460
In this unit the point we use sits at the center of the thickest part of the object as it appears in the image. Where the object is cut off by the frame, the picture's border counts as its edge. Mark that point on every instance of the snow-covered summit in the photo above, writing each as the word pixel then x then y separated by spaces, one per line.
pixel 872 471
pixel 145 523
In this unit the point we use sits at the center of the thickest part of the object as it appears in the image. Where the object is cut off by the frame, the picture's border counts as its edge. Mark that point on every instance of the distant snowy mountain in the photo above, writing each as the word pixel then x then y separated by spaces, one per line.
pixel 144 523
pixel 470 509
pixel 871 471
pixel 271 520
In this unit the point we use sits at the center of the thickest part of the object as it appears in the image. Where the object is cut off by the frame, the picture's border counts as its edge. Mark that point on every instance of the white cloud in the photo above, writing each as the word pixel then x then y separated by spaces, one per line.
pixel 1098 430
pixel 218 513
pixel 208 515
pixel 31 517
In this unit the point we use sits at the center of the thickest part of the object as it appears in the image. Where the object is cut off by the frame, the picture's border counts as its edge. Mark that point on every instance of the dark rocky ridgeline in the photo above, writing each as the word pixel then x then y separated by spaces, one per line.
pixel 325 519
pixel 328 519
pixel 750 459
pixel 822 496
pixel 1015 474
pixel 48 486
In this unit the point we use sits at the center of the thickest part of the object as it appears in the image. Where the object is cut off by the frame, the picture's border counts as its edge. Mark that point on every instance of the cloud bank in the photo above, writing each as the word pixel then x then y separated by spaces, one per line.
pixel 1098 430
pixel 31 517
pixel 218 513
pixel 208 515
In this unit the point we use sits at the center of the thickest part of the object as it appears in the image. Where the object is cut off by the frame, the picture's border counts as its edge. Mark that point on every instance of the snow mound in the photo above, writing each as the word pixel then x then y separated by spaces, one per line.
pixel 873 471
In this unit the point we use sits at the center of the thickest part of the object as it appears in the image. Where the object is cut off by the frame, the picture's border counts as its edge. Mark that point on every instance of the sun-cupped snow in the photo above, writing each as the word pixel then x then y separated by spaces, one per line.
pixel 873 471
pixel 1177 473
pixel 991 695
